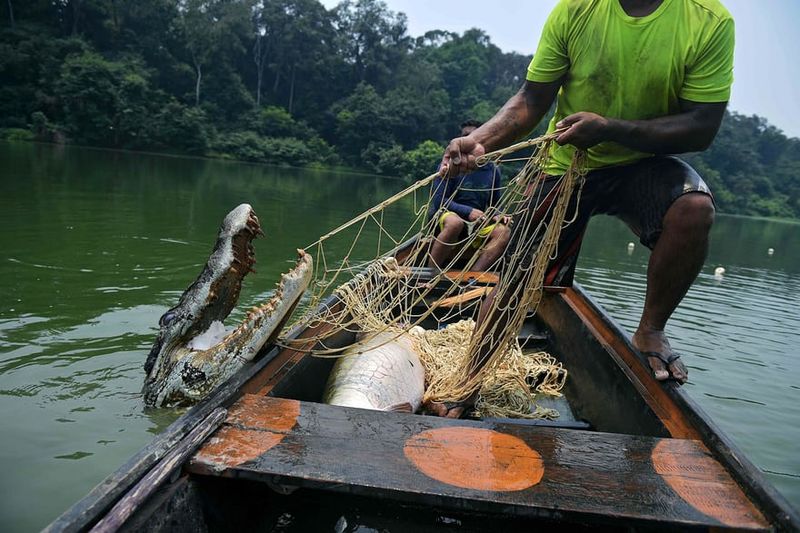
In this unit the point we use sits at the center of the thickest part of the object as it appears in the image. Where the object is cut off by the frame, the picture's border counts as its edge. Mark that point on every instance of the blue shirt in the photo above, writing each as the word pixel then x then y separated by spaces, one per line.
pixel 461 194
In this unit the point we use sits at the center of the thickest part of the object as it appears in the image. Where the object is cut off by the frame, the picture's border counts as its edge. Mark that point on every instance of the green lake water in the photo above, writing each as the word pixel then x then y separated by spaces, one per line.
pixel 95 245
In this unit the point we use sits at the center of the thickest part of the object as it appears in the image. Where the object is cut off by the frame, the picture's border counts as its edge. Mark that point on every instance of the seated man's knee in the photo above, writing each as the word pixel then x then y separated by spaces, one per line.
pixel 501 234
pixel 693 211
pixel 452 224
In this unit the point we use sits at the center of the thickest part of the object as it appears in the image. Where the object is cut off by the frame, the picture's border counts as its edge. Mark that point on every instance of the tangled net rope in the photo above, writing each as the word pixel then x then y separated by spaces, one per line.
pixel 376 293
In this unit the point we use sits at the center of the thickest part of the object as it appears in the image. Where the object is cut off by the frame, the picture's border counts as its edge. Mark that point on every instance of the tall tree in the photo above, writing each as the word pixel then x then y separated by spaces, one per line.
pixel 297 36
pixel 209 26
pixel 372 39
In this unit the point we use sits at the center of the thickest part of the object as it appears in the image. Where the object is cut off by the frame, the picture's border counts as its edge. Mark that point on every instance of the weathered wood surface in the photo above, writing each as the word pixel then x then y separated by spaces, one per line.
pixel 129 503
pixel 458 276
pixel 477 466
pixel 84 513
pixel 639 375
pixel 460 299
pixel 679 412
pixel 92 507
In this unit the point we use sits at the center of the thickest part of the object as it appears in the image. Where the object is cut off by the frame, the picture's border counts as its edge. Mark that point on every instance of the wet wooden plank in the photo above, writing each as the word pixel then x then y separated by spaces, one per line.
pixel 463 298
pixel 459 276
pixel 477 466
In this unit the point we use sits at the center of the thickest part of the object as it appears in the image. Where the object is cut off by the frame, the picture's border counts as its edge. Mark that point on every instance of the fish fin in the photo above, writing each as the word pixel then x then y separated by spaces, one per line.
pixel 404 407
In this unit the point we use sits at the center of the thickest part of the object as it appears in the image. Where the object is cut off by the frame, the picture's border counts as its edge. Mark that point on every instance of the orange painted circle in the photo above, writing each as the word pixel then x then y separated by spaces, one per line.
pixel 262 430
pixel 475 458
pixel 698 480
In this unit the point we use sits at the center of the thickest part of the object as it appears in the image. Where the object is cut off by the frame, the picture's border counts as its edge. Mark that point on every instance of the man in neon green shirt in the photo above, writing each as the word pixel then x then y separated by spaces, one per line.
pixel 635 81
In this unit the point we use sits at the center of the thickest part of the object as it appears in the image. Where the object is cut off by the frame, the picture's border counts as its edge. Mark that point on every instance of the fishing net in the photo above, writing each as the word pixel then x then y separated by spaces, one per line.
pixel 376 265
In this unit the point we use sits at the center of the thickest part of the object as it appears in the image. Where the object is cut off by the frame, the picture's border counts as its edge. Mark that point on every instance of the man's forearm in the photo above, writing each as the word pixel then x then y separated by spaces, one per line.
pixel 520 114
pixel 691 130
pixel 666 135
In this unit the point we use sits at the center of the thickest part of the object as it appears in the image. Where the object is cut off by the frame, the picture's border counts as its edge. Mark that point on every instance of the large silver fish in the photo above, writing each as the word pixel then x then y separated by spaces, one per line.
pixel 386 376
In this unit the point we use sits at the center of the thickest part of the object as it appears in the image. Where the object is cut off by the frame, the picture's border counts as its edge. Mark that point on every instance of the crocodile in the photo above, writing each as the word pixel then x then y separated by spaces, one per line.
pixel 192 355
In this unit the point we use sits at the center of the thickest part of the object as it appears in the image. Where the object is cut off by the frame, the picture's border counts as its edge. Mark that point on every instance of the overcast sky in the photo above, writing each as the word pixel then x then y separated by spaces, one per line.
pixel 767 67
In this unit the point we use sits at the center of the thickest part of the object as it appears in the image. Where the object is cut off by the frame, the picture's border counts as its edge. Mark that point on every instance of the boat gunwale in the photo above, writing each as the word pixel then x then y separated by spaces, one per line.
pixel 89 509
pixel 749 477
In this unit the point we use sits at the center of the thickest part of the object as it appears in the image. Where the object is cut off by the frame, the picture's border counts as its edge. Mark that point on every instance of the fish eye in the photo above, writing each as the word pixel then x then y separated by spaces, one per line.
pixel 167 318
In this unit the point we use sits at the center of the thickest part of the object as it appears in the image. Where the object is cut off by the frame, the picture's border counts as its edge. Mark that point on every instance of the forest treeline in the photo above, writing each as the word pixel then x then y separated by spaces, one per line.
pixel 289 81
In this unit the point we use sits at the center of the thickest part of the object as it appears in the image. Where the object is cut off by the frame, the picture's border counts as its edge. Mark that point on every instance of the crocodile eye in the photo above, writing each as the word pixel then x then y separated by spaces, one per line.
pixel 167 318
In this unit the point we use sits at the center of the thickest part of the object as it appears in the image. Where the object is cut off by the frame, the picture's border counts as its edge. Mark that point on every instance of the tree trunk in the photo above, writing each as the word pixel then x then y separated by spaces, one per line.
pixel 291 90
pixel 258 88
pixel 76 13
pixel 198 68
pixel 115 19
pixel 258 57
pixel 11 13
pixel 277 79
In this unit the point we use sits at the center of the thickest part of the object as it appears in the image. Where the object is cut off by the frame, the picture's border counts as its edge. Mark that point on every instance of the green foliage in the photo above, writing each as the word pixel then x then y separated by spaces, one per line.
pixel 250 146
pixel 752 168
pixel 413 164
pixel 362 119
pixel 291 82
pixel 274 121
pixel 177 126
pixel 422 160
pixel 105 103
pixel 43 130
pixel 384 158
pixel 16 134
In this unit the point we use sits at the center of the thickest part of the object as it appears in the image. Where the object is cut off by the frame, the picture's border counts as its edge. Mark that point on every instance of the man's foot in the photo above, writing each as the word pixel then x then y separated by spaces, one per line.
pixel 663 361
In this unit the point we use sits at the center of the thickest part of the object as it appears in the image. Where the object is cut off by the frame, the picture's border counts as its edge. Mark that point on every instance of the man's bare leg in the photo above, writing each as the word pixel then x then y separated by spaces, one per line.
pixel 444 244
pixel 674 264
pixel 495 246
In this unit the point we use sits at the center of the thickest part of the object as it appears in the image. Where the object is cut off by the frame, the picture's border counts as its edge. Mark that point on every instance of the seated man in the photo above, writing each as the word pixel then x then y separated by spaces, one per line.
pixel 459 204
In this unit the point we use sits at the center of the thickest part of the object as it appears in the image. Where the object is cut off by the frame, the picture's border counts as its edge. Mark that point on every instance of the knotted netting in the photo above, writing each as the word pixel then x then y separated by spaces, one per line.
pixel 373 265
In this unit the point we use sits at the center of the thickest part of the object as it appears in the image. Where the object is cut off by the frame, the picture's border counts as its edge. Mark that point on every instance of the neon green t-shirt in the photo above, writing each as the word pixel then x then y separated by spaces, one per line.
pixel 632 68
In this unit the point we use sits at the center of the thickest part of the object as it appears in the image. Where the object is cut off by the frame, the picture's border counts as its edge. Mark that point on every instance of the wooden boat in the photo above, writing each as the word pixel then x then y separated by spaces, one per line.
pixel 262 454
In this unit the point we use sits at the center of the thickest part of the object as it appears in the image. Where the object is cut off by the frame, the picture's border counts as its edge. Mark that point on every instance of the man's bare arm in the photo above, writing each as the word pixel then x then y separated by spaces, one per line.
pixel 516 118
pixel 691 130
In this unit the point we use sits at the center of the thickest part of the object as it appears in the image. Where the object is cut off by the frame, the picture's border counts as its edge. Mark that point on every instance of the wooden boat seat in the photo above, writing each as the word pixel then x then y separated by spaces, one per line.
pixel 477 466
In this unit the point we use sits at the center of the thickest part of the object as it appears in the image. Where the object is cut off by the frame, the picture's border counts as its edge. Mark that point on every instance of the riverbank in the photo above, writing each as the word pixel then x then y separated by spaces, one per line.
pixel 399 164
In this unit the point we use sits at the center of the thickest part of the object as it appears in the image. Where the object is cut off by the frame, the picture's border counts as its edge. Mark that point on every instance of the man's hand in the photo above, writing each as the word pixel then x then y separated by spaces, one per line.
pixel 584 130
pixel 459 157
pixel 475 214
pixel 505 220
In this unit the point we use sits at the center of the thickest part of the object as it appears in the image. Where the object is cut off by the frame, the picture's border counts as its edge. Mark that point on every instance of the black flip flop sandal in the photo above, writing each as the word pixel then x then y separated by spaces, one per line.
pixel 664 359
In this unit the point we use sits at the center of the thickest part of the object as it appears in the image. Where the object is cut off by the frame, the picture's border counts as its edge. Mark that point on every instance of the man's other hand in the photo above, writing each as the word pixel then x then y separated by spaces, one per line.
pixel 459 157
pixel 583 130
pixel 475 214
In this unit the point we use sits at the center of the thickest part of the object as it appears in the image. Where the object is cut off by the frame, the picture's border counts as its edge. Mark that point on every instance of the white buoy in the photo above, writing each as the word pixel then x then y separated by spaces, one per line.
pixel 718 272
pixel 631 246
pixel 770 251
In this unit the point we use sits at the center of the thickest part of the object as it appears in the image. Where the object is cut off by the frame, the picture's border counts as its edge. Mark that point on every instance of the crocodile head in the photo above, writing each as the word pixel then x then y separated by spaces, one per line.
pixel 192 354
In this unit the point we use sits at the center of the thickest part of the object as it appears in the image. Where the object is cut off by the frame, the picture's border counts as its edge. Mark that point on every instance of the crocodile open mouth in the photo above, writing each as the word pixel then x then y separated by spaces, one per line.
pixel 193 353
